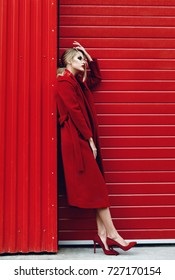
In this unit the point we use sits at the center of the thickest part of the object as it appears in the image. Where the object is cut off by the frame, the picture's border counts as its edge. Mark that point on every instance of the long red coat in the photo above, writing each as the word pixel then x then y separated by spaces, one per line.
pixel 83 174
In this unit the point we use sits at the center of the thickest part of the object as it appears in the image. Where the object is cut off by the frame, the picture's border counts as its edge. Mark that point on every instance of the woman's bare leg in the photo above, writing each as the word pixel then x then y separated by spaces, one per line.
pixel 105 225
pixel 101 231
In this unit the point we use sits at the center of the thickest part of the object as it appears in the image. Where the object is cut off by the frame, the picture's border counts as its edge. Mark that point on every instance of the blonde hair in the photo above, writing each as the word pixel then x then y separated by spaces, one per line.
pixel 67 56
pixel 60 71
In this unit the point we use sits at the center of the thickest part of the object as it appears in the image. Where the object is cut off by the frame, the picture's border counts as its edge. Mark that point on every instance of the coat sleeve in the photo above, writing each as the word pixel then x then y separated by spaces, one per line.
pixel 69 97
pixel 94 76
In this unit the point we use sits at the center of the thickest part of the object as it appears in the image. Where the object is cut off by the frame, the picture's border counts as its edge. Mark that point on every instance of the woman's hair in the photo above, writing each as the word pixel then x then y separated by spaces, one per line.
pixel 60 71
pixel 67 56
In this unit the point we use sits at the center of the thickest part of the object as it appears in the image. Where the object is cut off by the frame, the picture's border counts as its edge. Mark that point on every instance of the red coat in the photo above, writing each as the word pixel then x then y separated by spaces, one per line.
pixel 83 174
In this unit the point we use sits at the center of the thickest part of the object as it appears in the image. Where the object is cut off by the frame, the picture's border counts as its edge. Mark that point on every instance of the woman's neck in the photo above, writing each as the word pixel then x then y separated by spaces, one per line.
pixel 70 69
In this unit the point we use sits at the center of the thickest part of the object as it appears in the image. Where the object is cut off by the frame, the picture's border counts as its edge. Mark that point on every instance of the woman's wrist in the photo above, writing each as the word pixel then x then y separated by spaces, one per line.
pixel 92 144
pixel 89 58
pixel 93 147
pixel 91 140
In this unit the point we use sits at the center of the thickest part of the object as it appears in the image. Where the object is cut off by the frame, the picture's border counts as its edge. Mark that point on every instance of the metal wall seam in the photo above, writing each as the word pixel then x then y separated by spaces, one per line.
pixel 49 160
pixel 35 126
pixel 11 129
pixel 23 127
pixel 53 219
pixel 3 76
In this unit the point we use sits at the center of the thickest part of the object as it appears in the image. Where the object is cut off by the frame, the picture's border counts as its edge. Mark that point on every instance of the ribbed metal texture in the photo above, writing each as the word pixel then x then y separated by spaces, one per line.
pixel 28 210
pixel 134 42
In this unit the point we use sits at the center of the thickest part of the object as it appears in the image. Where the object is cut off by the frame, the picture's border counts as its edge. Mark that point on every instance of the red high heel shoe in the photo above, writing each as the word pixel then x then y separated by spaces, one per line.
pixel 111 242
pixel 111 251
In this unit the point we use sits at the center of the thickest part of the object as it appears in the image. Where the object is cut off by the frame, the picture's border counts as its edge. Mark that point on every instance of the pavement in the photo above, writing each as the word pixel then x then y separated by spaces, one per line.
pixel 86 252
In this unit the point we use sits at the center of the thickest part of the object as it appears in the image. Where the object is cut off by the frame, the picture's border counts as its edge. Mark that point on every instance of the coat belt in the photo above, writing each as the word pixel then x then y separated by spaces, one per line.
pixel 62 119
pixel 75 141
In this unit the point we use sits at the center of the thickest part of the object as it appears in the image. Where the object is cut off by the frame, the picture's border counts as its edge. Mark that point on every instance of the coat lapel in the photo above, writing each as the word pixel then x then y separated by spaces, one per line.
pixel 81 97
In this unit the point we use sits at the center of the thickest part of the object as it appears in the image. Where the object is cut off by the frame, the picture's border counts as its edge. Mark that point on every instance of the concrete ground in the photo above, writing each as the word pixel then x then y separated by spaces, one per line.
pixel 85 252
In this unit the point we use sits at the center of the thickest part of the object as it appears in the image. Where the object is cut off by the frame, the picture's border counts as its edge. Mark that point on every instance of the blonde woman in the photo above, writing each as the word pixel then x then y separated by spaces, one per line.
pixel 80 147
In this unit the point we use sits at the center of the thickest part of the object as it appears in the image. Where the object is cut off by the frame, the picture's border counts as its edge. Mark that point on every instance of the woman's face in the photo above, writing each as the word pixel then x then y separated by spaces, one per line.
pixel 78 63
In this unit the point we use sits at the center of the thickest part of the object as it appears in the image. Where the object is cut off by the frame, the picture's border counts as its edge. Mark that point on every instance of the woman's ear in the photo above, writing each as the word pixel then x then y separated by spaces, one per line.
pixel 69 62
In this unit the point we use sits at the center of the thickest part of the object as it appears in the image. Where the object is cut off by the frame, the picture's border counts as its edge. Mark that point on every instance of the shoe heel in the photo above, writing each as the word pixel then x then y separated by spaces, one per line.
pixel 98 241
pixel 94 247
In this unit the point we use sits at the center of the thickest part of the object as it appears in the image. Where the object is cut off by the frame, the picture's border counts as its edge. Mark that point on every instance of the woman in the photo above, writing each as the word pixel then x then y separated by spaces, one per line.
pixel 80 148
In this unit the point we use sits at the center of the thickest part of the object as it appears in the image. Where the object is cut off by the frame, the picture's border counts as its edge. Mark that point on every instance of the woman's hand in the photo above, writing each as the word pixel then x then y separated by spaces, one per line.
pixel 81 48
pixel 93 147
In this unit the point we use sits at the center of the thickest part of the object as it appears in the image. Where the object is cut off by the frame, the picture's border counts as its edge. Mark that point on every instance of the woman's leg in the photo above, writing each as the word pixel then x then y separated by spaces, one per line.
pixel 101 231
pixel 106 227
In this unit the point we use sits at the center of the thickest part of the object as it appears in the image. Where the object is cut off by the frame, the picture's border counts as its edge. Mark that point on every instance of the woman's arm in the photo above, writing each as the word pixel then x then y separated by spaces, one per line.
pixel 93 147
pixel 68 95
pixel 82 49
pixel 94 76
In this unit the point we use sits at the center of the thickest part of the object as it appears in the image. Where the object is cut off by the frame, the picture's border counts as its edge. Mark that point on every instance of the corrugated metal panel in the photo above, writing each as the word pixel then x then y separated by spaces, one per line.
pixel 134 42
pixel 28 209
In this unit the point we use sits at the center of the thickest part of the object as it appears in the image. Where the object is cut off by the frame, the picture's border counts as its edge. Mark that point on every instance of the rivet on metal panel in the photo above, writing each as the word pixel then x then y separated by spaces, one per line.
pixel 53 237
pixel 52 85
pixel 53 205
pixel 52 138
pixel 52 114
pixel 53 30
pixel 44 229
pixel 52 58
pixel 52 3
pixel 52 173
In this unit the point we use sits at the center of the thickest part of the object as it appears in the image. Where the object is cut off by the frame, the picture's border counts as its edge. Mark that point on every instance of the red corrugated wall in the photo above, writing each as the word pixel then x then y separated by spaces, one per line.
pixel 28 187
pixel 134 42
